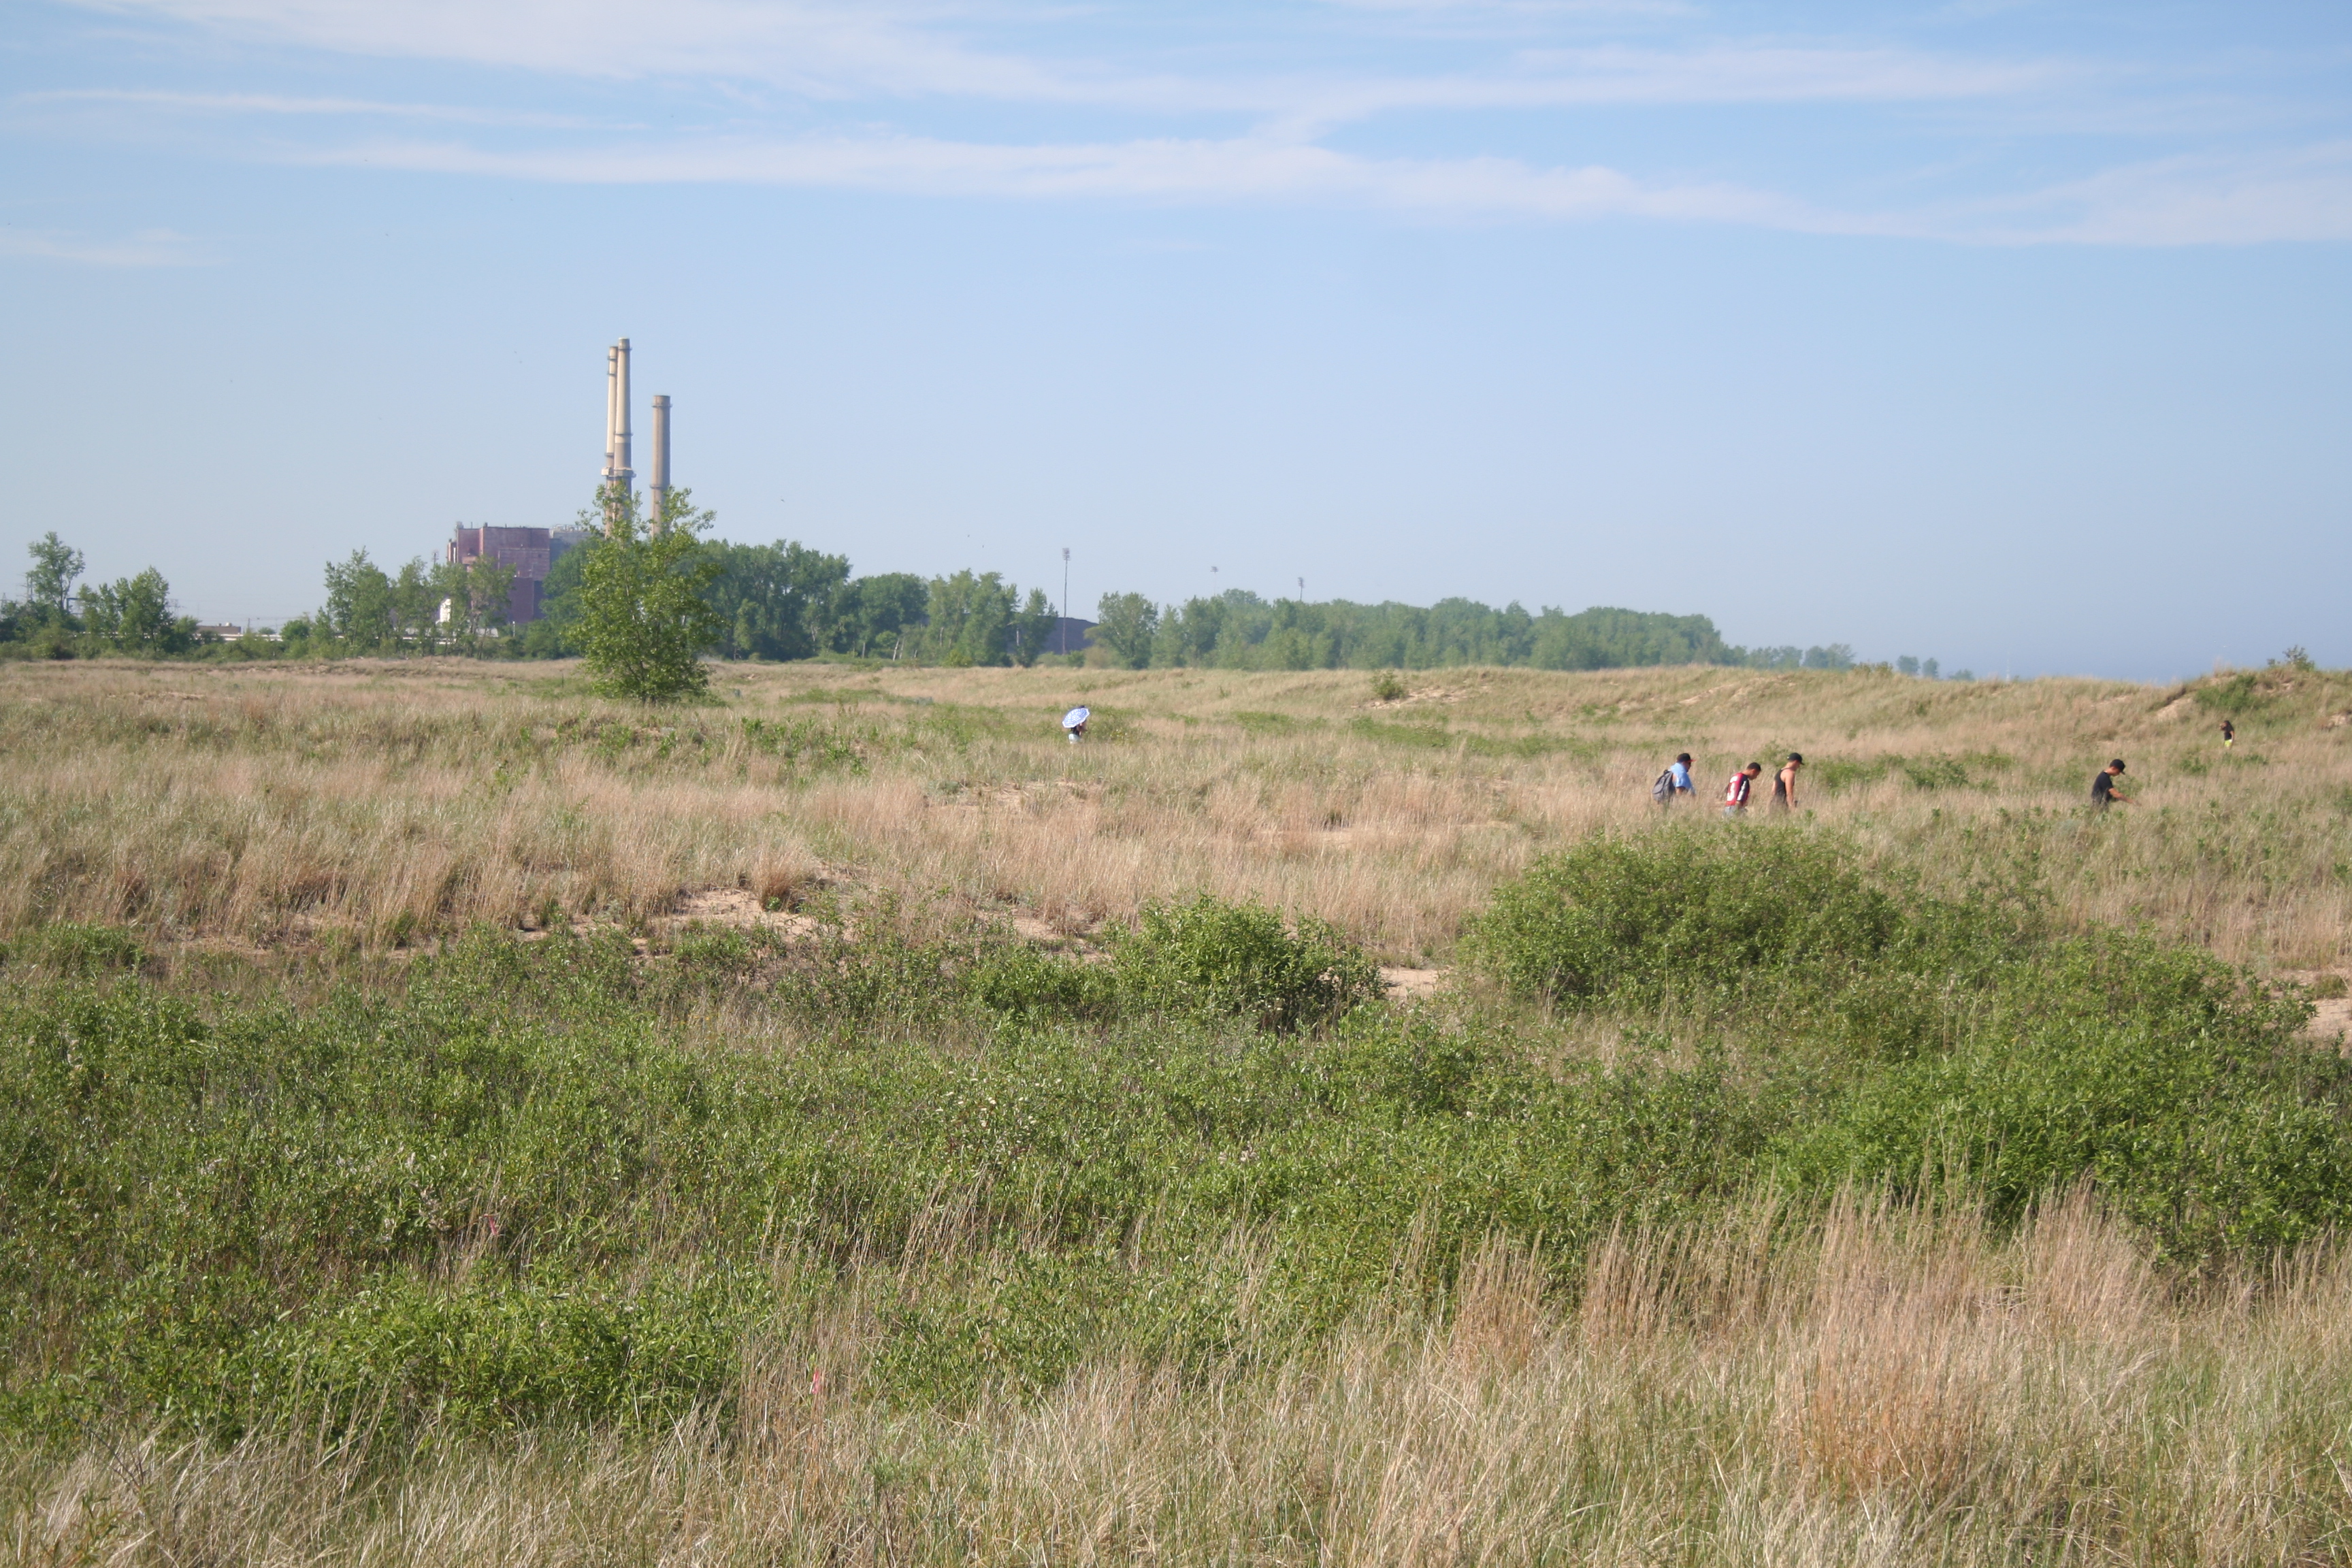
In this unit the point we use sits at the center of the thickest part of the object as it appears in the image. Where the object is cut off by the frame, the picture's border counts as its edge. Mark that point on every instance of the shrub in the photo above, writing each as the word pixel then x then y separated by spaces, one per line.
pixel 2183 1095
pixel 1211 958
pixel 1674 909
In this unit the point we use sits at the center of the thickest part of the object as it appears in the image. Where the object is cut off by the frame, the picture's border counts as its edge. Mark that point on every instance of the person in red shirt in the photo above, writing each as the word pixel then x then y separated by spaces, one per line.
pixel 1735 794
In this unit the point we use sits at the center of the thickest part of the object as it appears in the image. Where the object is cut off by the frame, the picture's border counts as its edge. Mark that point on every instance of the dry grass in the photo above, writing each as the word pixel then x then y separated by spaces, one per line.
pixel 390 800
pixel 1882 1386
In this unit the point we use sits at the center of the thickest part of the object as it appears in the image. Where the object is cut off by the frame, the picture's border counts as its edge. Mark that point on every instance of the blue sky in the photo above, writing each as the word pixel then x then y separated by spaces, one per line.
pixel 2018 335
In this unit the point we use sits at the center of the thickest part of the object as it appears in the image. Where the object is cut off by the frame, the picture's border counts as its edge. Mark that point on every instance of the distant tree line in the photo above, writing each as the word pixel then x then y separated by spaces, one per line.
pixel 1239 630
pixel 785 601
pixel 57 620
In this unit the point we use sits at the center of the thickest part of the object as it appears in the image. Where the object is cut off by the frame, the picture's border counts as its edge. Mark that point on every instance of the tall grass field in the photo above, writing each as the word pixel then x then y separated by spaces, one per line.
pixel 446 1117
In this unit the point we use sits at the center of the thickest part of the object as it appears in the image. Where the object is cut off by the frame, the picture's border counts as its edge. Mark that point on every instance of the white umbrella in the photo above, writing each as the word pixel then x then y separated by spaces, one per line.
pixel 1076 716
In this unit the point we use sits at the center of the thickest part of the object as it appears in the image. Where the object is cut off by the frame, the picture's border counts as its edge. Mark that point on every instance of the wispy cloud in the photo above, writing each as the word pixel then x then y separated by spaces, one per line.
pixel 832 51
pixel 2296 193
pixel 275 104
pixel 2305 195
pixel 1160 170
pixel 147 248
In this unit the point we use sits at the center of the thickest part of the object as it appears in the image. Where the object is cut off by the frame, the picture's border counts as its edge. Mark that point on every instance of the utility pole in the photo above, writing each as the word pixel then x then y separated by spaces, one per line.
pixel 1065 599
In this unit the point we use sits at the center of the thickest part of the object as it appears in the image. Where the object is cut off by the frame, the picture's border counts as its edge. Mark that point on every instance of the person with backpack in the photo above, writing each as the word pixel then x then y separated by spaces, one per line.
pixel 1735 794
pixel 1675 782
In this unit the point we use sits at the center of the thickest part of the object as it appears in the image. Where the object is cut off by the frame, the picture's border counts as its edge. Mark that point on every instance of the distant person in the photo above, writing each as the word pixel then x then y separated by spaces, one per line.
pixel 1784 783
pixel 2103 787
pixel 1074 722
pixel 1735 794
pixel 2229 734
pixel 1675 782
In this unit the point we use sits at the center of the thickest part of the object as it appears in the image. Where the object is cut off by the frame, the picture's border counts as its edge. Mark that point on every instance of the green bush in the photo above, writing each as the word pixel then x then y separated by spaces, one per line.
pixel 1212 958
pixel 1673 909
pixel 2181 1093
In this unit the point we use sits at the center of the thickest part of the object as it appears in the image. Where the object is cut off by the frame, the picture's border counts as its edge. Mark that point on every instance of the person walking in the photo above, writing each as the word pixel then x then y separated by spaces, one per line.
pixel 1675 784
pixel 2103 786
pixel 1784 783
pixel 2229 734
pixel 1735 794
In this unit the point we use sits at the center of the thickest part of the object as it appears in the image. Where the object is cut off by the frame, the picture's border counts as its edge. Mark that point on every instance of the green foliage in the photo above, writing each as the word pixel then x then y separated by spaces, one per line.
pixel 134 614
pixel 874 615
pixel 773 601
pixel 643 622
pixel 79 947
pixel 1212 958
pixel 2150 1072
pixel 525 1188
pixel 979 618
pixel 1126 624
pixel 48 587
pixel 1238 630
pixel 1699 906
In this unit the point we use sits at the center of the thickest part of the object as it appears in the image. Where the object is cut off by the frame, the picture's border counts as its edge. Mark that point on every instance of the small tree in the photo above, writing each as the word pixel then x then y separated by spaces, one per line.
pixel 643 622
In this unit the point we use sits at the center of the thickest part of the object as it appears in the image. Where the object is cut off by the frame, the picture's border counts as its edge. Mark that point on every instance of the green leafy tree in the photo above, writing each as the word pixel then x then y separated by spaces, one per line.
pixel 1032 629
pixel 360 609
pixel 776 601
pixel 134 614
pixel 48 587
pixel 643 621
pixel 470 602
pixel 873 616
pixel 970 620
pixel 1126 624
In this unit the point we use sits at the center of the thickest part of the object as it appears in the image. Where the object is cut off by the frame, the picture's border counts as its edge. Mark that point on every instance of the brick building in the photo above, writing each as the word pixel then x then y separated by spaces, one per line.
pixel 531 551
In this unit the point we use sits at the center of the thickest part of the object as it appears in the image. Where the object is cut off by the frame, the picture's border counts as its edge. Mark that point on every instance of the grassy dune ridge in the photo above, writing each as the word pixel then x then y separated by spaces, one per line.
pixel 393 1171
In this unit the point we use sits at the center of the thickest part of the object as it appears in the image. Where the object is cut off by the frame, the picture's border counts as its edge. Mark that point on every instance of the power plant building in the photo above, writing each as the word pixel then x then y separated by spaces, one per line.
pixel 533 552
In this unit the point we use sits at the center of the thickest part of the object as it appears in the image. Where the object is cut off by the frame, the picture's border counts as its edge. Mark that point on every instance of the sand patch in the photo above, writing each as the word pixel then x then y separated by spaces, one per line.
pixel 1408 985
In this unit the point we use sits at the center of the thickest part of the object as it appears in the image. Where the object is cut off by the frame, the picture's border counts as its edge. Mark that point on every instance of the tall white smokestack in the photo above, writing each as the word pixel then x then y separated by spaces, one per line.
pixel 622 474
pixel 658 493
pixel 612 370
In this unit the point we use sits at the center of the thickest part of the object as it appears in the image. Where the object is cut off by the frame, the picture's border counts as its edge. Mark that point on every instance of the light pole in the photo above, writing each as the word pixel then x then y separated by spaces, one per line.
pixel 1066 600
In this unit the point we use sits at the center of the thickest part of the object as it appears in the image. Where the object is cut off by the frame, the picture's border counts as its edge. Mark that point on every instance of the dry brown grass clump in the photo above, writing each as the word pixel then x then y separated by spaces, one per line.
pixel 391 800
pixel 1885 1386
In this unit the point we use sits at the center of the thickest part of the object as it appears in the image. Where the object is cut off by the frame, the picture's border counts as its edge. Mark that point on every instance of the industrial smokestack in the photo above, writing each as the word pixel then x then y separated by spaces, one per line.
pixel 658 493
pixel 611 371
pixel 622 471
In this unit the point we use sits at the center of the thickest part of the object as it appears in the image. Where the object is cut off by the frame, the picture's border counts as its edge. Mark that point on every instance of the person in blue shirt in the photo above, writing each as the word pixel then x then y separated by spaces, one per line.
pixel 1681 770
